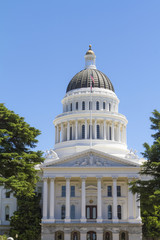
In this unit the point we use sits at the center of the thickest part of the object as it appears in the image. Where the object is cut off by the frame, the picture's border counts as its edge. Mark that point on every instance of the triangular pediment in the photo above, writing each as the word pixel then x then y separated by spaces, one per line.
pixel 90 159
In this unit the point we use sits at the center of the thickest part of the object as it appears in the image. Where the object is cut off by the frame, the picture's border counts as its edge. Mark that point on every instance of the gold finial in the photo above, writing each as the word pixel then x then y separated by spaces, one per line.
pixel 90 46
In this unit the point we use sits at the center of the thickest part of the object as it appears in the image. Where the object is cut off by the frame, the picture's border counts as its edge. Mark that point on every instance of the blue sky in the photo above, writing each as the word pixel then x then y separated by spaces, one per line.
pixel 42 46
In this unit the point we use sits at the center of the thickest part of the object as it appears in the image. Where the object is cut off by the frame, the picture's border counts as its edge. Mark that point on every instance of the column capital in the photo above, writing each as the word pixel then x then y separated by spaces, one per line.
pixel 45 179
pixel 83 177
pixel 114 178
pixel 99 178
pixel 67 178
pixel 52 179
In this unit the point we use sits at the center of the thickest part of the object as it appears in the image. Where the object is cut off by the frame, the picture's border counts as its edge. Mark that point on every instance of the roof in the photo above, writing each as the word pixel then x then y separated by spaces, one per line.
pixel 83 80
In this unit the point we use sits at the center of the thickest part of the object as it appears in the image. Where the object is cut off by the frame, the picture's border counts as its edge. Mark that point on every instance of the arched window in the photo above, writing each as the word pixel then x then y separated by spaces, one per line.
pixel 59 235
pixel 72 211
pixel 108 236
pixel 71 107
pixel 124 236
pixel 76 105
pixel 119 212
pixel 98 132
pixel 83 105
pixel 104 105
pixel 83 131
pixel 91 235
pixel 75 236
pixel 7 213
pixel 63 212
pixel 109 212
pixel 97 105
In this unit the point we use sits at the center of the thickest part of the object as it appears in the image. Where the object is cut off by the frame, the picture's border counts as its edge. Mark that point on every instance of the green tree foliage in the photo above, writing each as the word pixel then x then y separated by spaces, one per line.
pixel 3 237
pixel 17 159
pixel 26 220
pixel 149 190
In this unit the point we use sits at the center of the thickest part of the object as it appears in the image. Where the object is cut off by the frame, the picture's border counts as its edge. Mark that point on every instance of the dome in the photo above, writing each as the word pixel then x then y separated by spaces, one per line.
pixel 82 80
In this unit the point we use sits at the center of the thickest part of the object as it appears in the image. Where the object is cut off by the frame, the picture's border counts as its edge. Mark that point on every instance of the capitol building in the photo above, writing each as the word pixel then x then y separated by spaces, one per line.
pixel 85 178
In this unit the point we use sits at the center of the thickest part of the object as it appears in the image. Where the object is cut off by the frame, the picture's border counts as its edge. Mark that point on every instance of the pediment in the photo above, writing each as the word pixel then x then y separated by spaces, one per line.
pixel 90 159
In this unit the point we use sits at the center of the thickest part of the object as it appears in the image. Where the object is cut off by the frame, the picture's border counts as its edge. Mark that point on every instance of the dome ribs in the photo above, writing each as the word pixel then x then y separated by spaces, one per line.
pixel 82 80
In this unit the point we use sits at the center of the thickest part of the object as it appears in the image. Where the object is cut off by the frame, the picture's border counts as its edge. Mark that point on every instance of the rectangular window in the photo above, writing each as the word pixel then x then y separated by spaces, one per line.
pixel 71 107
pixel 83 131
pixel 70 133
pixel 109 191
pixel 83 105
pixel 76 105
pixel 72 191
pixel 63 191
pixel 7 194
pixel 118 191
pixel 98 132
pixel 104 105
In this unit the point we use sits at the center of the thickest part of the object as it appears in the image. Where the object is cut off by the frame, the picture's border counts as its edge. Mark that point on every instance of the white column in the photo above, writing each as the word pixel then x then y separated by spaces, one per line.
pixel 95 129
pixel 104 129
pixel 119 132
pixel 112 131
pixel 67 218
pixel 138 210
pixel 62 133
pixel 45 198
pixel 115 219
pixel 51 210
pixel 122 135
pixel 57 134
pixel 125 134
pixel 83 200
pixel 130 203
pixel 76 130
pixel 108 130
pixel 99 200
pixel 68 131
pixel 85 128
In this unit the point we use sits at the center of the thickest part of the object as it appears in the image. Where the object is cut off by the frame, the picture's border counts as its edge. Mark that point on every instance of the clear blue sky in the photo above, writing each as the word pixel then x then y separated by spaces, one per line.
pixel 42 46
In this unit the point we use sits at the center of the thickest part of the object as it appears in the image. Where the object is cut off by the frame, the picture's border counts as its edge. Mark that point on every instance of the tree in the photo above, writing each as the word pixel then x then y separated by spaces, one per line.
pixel 17 159
pixel 149 189
pixel 26 220
pixel 18 173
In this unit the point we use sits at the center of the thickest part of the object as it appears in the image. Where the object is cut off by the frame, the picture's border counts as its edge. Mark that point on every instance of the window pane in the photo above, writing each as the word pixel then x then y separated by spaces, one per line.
pixel 109 212
pixel 98 133
pixel 63 191
pixel 94 236
pixel 63 212
pixel 76 105
pixel 83 131
pixel 119 212
pixel 88 212
pixel 118 191
pixel 123 236
pixel 104 105
pixel 83 105
pixel 97 105
pixel 94 212
pixel 72 211
pixel 70 133
pixel 71 107
pixel 109 191
pixel 72 191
